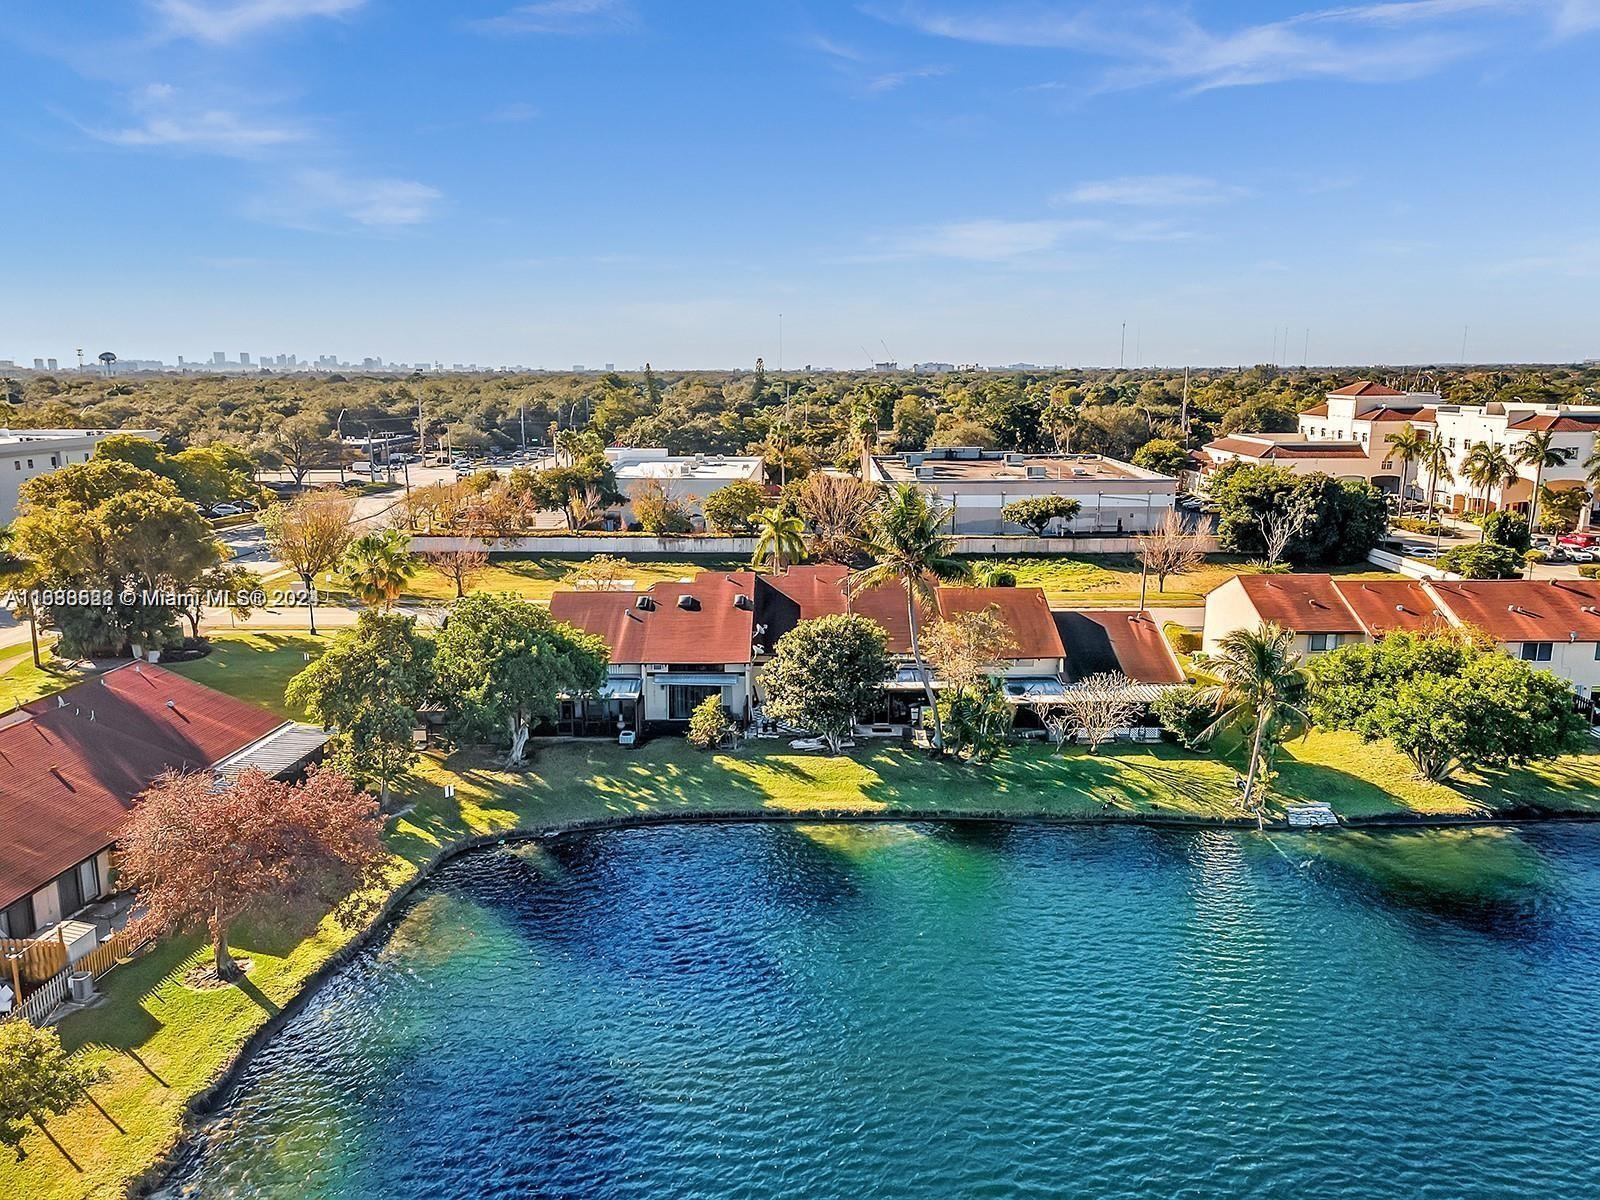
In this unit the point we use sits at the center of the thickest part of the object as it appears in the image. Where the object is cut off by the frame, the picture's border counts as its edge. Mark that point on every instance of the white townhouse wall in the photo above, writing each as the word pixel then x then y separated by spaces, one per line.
pixel 1552 624
pixel 29 453
pixel 1363 415
pixel 975 484
pixel 688 478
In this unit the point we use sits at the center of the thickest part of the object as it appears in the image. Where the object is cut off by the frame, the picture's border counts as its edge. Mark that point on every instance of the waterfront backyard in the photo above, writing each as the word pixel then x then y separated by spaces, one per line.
pixel 162 1041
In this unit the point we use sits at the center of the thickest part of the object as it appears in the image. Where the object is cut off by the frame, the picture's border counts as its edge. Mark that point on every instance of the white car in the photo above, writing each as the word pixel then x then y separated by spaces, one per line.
pixel 226 510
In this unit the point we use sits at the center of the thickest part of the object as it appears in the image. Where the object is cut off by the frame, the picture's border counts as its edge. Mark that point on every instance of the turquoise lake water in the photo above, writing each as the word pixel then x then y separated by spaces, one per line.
pixel 952 1011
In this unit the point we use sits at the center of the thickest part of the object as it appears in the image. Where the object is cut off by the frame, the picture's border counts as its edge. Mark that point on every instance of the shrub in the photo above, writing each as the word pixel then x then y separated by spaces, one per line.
pixel 1038 513
pixel 1183 640
pixel 1185 716
pixel 1485 561
pixel 1507 529
pixel 709 724
pixel 1591 571
pixel 1422 526
pixel 994 574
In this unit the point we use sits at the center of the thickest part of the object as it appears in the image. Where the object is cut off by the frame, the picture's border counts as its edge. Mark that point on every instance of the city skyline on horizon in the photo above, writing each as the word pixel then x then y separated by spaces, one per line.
pixel 938 180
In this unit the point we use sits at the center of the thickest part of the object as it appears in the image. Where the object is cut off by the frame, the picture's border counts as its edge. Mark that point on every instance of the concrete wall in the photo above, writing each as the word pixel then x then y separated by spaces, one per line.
pixel 742 547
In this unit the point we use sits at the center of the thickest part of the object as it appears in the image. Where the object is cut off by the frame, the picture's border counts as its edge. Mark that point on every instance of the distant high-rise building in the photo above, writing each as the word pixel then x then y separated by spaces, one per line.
pixel 38 364
pixel 611 366
pixel 218 358
pixel 244 359
pixel 51 362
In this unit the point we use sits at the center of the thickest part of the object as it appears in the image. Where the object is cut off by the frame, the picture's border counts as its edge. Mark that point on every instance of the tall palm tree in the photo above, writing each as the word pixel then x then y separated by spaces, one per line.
pixel 1437 461
pixel 1262 690
pixel 1488 466
pixel 908 546
pixel 1538 450
pixel 780 538
pixel 1409 444
pixel 377 567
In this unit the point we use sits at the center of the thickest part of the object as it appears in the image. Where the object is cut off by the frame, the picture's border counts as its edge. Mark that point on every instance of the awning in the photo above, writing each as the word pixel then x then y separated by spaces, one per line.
pixel 618 689
pixel 691 679
pixel 909 679
pixel 279 752
pixel 1026 688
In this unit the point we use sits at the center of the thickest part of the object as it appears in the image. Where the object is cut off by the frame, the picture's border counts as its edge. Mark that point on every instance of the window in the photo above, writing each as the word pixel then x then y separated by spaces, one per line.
pixel 30 464
pixel 16 464
pixel 70 888
pixel 1535 651
pixel 17 921
pixel 683 699
pixel 55 460
pixel 1321 643
pixel 89 879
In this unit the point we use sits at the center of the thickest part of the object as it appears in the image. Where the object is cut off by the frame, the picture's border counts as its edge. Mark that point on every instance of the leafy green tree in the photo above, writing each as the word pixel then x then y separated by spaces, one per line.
pixel 129 448
pixel 1261 690
pixel 709 724
pixel 1037 513
pixel 377 566
pixel 1447 702
pixel 1507 529
pixel 913 422
pixel 109 526
pixel 1559 511
pixel 780 539
pixel 1486 560
pixel 1184 713
pixel 825 672
pixel 909 549
pixel 976 720
pixel 1487 467
pixel 503 664
pixel 1436 461
pixel 368 685
pixel 732 508
pixel 1162 454
pixel 38 1079
pixel 1344 518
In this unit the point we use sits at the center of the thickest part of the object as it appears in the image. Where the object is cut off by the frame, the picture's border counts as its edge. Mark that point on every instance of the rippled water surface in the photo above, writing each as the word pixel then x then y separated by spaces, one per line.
pixel 952 1011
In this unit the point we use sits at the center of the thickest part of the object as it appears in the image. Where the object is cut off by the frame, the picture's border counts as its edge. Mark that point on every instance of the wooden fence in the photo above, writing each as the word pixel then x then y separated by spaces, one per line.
pixel 24 961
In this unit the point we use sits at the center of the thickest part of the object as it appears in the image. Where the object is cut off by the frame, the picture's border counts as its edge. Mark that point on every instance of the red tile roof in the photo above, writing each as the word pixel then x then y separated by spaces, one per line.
pixel 714 630
pixel 1252 448
pixel 1316 410
pixel 1562 423
pixel 1111 639
pixel 1423 415
pixel 1303 603
pixel 1386 605
pixel 72 764
pixel 1365 387
pixel 1526 610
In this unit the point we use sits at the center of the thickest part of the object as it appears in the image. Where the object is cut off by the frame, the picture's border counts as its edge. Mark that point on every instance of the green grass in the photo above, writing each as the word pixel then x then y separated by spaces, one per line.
pixel 162 1042
pixel 1112 580
pixel 22 682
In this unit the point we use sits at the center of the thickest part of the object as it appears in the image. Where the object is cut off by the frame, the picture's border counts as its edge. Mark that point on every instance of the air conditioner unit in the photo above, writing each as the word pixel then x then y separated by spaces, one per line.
pixel 743 601
pixel 688 603
pixel 645 603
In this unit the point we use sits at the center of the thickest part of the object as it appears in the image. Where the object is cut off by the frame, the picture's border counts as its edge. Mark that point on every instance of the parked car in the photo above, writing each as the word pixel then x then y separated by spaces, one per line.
pixel 226 510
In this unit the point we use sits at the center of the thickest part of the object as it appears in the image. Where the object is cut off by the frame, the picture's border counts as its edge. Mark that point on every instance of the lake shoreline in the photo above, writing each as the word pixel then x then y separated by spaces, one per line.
pixel 206 1101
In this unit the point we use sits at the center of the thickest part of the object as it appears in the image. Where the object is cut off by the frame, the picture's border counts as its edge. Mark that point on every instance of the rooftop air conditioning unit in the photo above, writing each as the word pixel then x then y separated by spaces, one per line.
pixel 1014 459
pixel 645 603
pixel 688 603
pixel 915 460
pixel 1036 473
pixel 927 472
pixel 743 601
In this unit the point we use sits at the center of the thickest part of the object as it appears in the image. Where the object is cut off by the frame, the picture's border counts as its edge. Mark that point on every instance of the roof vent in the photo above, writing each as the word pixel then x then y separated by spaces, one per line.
pixel 1035 472
pixel 1589 608
pixel 647 603
pixel 688 603
pixel 743 601
pixel 173 705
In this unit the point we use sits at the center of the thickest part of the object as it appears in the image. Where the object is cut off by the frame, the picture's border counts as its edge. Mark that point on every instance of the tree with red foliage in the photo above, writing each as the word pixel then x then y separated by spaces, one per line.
pixel 200 850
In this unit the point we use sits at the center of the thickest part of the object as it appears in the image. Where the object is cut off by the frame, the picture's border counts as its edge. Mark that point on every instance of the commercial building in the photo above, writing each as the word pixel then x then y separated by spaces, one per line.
pixel 1551 623
pixel 686 478
pixel 75 762
pixel 974 484
pixel 28 453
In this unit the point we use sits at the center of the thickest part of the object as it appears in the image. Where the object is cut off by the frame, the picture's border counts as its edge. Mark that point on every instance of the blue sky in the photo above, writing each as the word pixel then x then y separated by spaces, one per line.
pixel 589 181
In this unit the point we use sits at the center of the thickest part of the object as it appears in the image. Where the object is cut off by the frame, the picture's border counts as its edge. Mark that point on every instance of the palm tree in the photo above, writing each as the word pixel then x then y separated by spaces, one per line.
pixel 1487 466
pixel 1262 689
pixel 1538 450
pixel 377 567
pixel 1437 461
pixel 1409 445
pixel 780 537
pixel 908 546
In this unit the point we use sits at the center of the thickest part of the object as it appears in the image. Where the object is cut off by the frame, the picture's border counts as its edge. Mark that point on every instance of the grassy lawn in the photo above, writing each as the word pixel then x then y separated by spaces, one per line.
pixel 162 1041
pixel 1112 580
pixel 22 682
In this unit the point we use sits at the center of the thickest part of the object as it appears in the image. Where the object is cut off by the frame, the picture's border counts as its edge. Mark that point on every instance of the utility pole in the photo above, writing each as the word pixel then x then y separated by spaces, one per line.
pixel 1122 352
pixel 522 408
pixel 1183 407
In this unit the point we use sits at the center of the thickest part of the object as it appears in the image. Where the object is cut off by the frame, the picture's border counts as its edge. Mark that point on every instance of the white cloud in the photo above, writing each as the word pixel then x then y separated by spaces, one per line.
pixel 566 17
pixel 168 120
pixel 1151 191
pixel 321 198
pixel 1369 43
pixel 994 240
pixel 210 22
